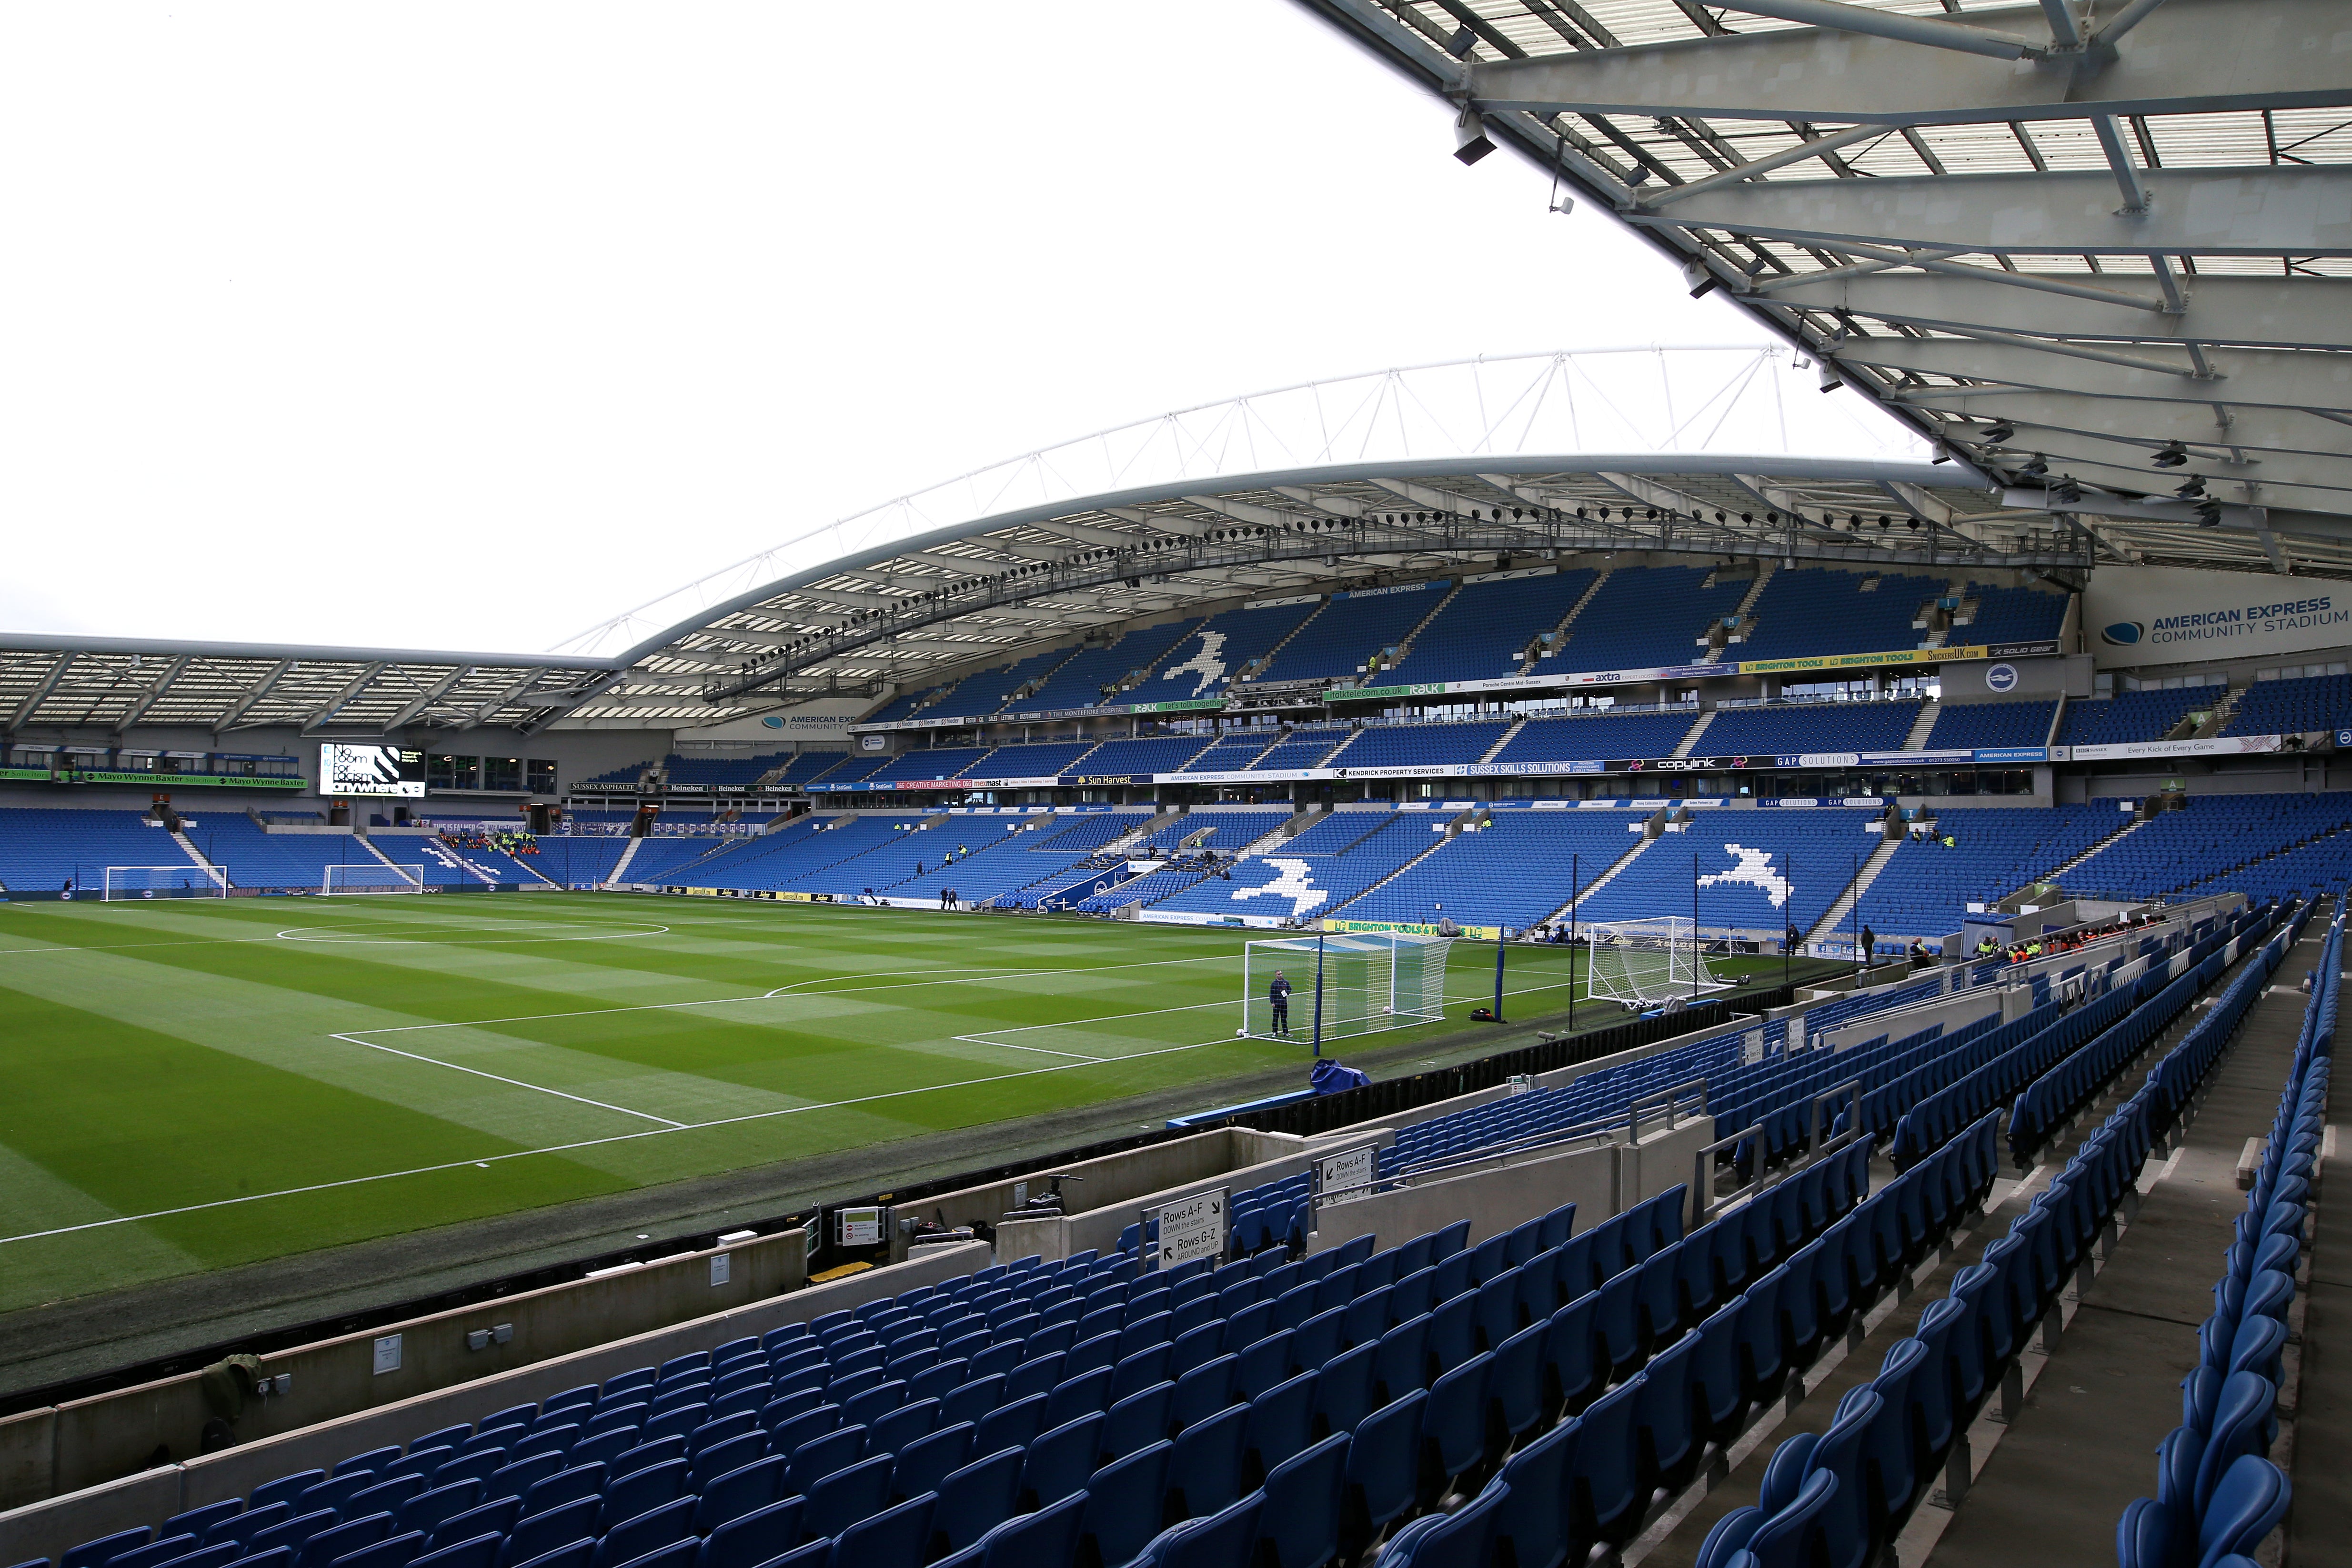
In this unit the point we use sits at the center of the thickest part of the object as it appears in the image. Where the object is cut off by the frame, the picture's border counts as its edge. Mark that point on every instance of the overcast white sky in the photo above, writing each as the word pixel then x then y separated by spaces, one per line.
pixel 468 326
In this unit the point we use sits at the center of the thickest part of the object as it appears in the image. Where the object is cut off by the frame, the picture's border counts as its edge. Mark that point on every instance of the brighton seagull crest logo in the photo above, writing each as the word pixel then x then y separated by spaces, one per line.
pixel 1754 870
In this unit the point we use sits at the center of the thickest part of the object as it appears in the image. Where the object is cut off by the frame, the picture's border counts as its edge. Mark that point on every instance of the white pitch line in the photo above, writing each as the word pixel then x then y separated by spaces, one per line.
pixel 494 1077
pixel 567 1148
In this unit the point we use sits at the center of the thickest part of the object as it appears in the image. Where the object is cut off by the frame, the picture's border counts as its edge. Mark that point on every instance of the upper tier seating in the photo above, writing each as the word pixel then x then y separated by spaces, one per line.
pixel 1647 617
pixel 1143 754
pixel 1233 752
pixel 1758 869
pixel 1484 632
pixel 774 860
pixel 41 847
pixel 1805 612
pixel 1969 726
pixel 811 766
pixel 1807 727
pixel 1082 834
pixel 987 690
pixel 624 778
pixel 927 763
pixel 2148 714
pixel 1925 888
pixel 1212 654
pixel 2293 707
pixel 1352 628
pixel 1041 759
pixel 904 705
pixel 1306 747
pixel 1595 737
pixel 725 772
pixel 1423 745
pixel 2010 614
pixel 1081 681
pixel 1514 871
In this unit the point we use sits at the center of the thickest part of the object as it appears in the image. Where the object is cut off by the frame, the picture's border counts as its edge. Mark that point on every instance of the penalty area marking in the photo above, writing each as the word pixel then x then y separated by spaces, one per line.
pixel 568 1148
pixel 303 933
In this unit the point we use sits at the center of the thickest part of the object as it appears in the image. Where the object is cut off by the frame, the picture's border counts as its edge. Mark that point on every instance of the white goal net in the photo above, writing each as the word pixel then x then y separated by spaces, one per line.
pixel 1641 963
pixel 181 881
pixel 370 878
pixel 1371 980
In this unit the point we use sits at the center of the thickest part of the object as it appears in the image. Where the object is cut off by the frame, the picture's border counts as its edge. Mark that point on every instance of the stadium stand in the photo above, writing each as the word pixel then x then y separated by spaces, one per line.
pixel 1213 655
pixel 1804 613
pixel 2211 838
pixel 2011 615
pixel 41 848
pixel 2149 714
pixel 1353 628
pixel 2293 707
pixel 774 860
pixel 1233 753
pixel 1290 883
pixel 1308 746
pixel 1485 630
pixel 1143 754
pixel 1084 832
pixel 1598 737
pixel 985 692
pixel 926 763
pixel 575 860
pixel 1647 617
pixel 1042 759
pixel 619 778
pixel 1925 888
pixel 1971 726
pixel 1514 871
pixel 258 859
pixel 665 860
pixel 1146 888
pixel 1095 674
pixel 1424 745
pixel 1758 869
pixel 907 703
pixel 1226 832
pixel 809 767
pixel 722 773
pixel 1808 727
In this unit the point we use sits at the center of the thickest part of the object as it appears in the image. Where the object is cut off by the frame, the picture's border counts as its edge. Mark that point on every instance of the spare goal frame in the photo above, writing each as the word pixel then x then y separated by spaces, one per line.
pixel 1642 963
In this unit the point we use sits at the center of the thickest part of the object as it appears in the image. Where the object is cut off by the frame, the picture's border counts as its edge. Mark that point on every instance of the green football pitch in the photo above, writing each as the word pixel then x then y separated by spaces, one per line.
pixel 191 1085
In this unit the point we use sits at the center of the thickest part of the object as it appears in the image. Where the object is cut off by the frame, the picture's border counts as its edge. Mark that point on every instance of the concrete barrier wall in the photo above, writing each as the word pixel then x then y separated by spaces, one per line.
pixel 1493 1200
pixel 47 1528
pixel 115 1434
pixel 1098 1229
pixel 1952 1012
pixel 1112 1180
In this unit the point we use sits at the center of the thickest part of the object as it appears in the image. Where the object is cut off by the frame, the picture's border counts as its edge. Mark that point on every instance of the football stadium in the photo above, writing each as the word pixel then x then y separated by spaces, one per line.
pixel 1537 961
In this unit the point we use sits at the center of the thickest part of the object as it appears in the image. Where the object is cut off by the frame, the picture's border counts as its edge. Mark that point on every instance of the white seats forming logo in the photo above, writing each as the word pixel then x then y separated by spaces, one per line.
pixel 1206 664
pixel 1755 870
pixel 1293 884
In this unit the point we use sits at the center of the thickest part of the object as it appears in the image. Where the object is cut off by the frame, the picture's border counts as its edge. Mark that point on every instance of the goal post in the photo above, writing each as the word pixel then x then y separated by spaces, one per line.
pixel 1369 981
pixel 370 878
pixel 1645 961
pixel 181 881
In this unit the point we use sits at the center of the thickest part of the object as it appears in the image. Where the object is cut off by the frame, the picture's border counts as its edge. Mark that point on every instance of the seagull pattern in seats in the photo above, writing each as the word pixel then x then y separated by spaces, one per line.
pixel 1754 870
pixel 1294 884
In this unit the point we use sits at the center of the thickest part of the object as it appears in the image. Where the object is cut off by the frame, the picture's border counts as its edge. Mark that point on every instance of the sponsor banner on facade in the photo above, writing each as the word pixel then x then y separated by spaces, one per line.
pixel 1918 759
pixel 100 776
pixel 1276 604
pixel 2164 615
pixel 1416 771
pixel 2020 650
pixel 2012 755
pixel 1440 583
pixel 1675 765
pixel 1106 779
pixel 1859 661
pixel 2216 746
pixel 1538 770
pixel 764 893
pixel 1405 927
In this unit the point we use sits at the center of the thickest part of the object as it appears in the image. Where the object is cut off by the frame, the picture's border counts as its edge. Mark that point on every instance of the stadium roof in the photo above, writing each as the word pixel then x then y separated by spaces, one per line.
pixel 2110 244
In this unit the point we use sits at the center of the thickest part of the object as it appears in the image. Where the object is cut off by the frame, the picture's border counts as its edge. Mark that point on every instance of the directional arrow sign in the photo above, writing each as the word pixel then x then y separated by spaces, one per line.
pixel 1192 1227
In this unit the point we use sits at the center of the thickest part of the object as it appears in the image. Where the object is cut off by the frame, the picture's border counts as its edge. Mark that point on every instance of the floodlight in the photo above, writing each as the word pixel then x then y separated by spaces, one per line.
pixel 2172 456
pixel 1697 275
pixel 2039 466
pixel 2066 489
pixel 2209 513
pixel 1999 433
pixel 2194 486
pixel 1913 525
pixel 1830 379
pixel 1470 143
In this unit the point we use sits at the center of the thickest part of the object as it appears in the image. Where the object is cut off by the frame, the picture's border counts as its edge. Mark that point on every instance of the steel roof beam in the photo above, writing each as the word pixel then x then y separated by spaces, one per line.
pixel 343 699
pixel 428 696
pixel 41 690
pixel 2197 56
pixel 1332 506
pixel 2207 460
pixel 2258 313
pixel 251 695
pixel 2260 211
pixel 2148 424
pixel 2286 500
pixel 2249 377
pixel 155 688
